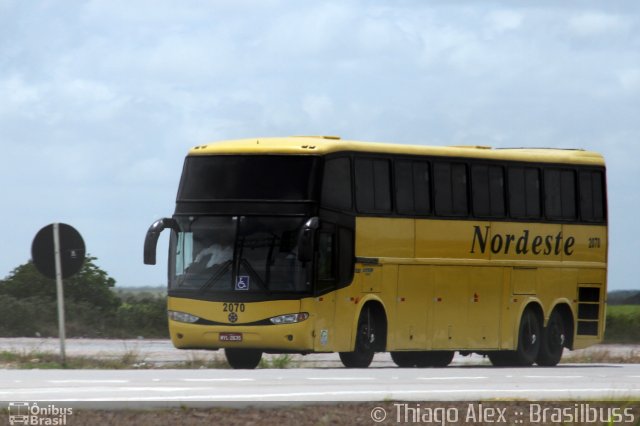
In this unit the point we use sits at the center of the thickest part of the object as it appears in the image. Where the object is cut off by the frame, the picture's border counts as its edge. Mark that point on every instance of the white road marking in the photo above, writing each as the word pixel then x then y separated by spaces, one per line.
pixel 88 381
pixel 341 378
pixel 220 380
pixel 454 378
pixel 312 396
pixel 551 377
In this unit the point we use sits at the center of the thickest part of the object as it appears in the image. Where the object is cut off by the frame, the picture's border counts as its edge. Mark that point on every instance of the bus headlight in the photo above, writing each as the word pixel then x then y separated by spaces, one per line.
pixel 182 317
pixel 289 318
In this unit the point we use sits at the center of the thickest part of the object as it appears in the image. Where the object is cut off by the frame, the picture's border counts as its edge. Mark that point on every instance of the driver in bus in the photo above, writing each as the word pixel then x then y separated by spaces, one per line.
pixel 213 253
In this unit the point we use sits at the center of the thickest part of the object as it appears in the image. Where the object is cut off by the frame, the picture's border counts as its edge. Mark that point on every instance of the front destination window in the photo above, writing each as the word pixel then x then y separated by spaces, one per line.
pixel 241 254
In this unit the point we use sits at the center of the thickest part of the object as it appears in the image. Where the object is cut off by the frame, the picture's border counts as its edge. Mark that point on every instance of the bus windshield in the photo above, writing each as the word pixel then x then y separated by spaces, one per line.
pixel 246 254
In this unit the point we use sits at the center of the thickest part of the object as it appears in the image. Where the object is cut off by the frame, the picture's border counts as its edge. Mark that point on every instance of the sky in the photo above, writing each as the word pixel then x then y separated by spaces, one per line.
pixel 101 100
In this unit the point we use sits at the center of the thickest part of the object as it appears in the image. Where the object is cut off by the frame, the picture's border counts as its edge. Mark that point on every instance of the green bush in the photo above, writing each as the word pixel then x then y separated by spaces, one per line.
pixel 142 316
pixel 92 307
pixel 623 324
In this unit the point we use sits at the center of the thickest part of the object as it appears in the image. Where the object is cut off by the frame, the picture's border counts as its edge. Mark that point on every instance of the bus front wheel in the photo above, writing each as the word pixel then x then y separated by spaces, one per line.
pixel 364 349
pixel 243 359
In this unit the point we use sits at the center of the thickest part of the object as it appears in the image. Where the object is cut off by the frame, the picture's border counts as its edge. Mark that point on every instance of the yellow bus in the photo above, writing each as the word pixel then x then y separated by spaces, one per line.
pixel 317 244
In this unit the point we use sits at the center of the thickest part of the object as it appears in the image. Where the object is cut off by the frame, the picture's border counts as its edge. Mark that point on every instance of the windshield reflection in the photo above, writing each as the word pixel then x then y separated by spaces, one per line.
pixel 237 254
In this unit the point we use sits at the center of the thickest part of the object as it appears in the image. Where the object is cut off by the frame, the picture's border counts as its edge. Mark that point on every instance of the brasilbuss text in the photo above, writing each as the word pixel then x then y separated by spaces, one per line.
pixel 521 244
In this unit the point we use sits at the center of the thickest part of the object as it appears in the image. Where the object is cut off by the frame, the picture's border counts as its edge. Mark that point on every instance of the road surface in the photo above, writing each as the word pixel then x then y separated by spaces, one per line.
pixel 171 387
pixel 161 352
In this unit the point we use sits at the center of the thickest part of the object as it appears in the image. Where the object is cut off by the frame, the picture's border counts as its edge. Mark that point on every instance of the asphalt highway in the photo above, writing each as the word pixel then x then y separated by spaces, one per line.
pixel 173 387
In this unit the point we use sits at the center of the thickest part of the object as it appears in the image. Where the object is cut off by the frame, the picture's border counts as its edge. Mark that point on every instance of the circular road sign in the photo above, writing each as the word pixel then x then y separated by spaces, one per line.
pixel 72 251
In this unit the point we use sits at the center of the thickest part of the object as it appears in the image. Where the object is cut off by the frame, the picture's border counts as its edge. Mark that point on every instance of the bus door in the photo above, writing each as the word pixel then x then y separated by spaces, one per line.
pixel 325 285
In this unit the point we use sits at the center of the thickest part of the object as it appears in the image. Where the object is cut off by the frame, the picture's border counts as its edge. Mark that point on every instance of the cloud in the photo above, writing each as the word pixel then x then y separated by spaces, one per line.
pixel 102 99
pixel 589 24
pixel 630 79
pixel 502 21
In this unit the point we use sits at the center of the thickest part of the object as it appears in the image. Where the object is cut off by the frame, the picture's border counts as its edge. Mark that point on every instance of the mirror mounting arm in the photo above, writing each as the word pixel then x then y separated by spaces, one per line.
pixel 151 239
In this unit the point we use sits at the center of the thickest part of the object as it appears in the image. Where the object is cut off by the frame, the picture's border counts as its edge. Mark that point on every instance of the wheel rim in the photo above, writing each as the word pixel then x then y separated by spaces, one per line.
pixel 531 334
pixel 556 335
pixel 367 337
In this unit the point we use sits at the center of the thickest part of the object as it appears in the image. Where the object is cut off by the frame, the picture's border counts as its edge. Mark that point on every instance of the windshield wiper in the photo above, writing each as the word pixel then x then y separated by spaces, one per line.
pixel 252 272
pixel 222 269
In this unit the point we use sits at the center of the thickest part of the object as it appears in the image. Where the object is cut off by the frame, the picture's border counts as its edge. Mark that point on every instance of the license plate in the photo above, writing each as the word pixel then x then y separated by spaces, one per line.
pixel 230 337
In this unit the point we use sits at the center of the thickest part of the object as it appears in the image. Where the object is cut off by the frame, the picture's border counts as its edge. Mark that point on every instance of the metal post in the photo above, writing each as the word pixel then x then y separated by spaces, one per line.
pixel 56 249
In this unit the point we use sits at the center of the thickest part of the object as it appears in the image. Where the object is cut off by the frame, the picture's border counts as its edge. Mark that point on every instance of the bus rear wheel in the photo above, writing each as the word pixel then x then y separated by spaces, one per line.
pixel 529 338
pixel 422 358
pixel 405 359
pixel 364 350
pixel 243 359
pixel 553 340
pixel 435 358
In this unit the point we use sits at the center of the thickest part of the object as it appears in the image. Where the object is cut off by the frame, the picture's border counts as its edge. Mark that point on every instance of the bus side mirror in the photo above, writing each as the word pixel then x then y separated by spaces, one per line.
pixel 151 240
pixel 306 240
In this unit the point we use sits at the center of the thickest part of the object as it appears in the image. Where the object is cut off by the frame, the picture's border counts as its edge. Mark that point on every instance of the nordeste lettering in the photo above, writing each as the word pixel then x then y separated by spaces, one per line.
pixel 524 243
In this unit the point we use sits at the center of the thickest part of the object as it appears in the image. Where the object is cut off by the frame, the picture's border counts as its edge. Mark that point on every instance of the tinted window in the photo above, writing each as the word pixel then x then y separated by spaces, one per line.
pixel 326 256
pixel 592 196
pixel 560 194
pixel 248 177
pixel 524 192
pixel 373 188
pixel 412 187
pixel 346 255
pixel 336 186
pixel 450 187
pixel 487 183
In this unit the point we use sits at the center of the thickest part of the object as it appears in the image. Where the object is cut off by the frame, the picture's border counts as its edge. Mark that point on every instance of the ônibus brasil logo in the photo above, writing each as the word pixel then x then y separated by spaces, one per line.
pixel 27 413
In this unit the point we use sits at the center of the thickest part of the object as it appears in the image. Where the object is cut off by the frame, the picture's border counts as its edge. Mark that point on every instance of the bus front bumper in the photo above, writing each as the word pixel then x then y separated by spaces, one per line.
pixel 296 337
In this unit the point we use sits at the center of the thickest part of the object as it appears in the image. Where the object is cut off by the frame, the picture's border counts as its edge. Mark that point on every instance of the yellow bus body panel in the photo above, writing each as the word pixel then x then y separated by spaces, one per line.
pixel 443 284
pixel 468 282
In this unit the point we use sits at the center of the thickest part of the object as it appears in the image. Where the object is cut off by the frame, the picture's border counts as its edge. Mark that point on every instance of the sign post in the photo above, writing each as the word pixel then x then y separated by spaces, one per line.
pixel 60 291
pixel 58 252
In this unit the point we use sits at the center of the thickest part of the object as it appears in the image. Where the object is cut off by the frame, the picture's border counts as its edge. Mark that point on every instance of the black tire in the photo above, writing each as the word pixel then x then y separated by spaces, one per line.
pixel 529 338
pixel 405 359
pixel 553 340
pixel 422 358
pixel 364 350
pixel 243 359
pixel 502 358
pixel 435 358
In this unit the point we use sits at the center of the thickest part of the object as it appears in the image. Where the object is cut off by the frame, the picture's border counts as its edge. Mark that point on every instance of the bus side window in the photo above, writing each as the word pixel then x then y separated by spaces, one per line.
pixel 450 187
pixel 524 192
pixel 591 196
pixel 487 183
pixel 373 185
pixel 346 256
pixel 560 194
pixel 336 185
pixel 412 187
pixel 326 261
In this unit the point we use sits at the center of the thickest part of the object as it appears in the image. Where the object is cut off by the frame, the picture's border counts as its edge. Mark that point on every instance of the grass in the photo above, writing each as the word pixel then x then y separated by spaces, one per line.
pixel 603 356
pixel 49 360
pixel 623 324
pixel 623 310
pixel 278 361
pixel 37 359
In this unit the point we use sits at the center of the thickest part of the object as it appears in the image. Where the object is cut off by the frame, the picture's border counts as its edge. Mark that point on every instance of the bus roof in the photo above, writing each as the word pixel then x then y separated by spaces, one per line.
pixel 321 145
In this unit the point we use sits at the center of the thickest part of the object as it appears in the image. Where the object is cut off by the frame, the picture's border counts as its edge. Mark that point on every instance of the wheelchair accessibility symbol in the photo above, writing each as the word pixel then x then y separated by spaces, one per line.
pixel 242 283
